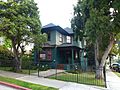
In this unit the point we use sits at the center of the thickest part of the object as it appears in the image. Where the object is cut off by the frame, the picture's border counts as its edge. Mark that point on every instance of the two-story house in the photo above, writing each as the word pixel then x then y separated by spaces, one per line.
pixel 61 48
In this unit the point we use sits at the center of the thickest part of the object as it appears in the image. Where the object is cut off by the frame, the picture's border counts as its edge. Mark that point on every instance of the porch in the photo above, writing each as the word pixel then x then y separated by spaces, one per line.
pixel 68 55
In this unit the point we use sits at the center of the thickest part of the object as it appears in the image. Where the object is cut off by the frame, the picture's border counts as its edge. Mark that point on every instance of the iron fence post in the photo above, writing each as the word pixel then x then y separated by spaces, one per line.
pixel 29 67
pixel 38 69
pixel 104 72
pixel 55 69
pixel 77 77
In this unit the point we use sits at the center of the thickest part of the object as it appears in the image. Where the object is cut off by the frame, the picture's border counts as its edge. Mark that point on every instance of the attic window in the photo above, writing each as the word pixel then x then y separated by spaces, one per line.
pixel 60 38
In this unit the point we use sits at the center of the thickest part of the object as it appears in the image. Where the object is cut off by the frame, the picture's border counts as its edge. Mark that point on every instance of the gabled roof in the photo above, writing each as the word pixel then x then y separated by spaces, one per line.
pixel 52 27
pixel 49 25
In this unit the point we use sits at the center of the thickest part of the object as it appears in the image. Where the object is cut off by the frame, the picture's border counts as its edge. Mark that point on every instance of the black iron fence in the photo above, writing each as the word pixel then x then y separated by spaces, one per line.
pixel 74 73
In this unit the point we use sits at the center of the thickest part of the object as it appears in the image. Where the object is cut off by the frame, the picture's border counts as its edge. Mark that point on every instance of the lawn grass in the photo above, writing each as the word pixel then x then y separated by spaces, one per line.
pixel 117 73
pixel 24 71
pixel 83 78
pixel 26 84
pixel 6 68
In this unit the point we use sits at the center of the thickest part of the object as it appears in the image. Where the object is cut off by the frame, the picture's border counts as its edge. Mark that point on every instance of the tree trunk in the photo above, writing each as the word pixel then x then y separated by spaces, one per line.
pixel 17 62
pixel 96 53
pixel 99 72
pixel 96 49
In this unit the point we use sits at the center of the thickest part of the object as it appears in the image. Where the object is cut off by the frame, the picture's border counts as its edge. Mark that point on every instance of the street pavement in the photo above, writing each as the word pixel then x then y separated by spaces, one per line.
pixel 3 87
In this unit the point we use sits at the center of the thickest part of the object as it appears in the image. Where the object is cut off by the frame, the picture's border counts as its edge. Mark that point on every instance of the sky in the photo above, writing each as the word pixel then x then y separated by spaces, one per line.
pixel 58 12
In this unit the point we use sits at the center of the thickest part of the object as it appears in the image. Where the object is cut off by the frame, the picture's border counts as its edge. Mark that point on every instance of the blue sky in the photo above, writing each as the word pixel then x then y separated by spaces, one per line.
pixel 58 12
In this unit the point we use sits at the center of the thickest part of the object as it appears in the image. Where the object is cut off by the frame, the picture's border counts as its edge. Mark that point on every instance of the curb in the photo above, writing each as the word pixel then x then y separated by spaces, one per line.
pixel 14 86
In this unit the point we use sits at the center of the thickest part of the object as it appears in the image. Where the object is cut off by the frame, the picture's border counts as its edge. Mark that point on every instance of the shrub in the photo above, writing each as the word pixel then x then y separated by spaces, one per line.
pixel 6 57
pixel 73 71
pixel 28 62
pixel 44 67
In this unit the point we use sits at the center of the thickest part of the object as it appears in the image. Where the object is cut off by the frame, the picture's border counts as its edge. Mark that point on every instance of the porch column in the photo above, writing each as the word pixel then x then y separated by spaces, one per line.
pixel 54 54
pixel 55 57
pixel 82 61
pixel 72 56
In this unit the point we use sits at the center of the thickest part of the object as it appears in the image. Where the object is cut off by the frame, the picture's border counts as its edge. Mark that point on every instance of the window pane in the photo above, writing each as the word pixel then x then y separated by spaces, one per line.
pixel 60 38
pixel 68 39
pixel 42 56
pixel 48 36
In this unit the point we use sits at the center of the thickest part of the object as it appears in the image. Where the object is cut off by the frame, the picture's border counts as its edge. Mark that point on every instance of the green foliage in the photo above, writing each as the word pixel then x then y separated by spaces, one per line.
pixel 6 57
pixel 28 62
pixel 81 13
pixel 7 43
pixel 19 23
pixel 44 67
pixel 100 25
pixel 93 18
pixel 90 54
pixel 5 53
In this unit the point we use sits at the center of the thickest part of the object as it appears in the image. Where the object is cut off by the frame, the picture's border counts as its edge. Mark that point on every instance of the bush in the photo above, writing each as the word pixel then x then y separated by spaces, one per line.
pixel 73 71
pixel 28 62
pixel 6 57
pixel 44 67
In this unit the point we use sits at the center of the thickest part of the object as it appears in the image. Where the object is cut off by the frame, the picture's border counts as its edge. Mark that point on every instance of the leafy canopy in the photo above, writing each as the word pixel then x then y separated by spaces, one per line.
pixel 19 22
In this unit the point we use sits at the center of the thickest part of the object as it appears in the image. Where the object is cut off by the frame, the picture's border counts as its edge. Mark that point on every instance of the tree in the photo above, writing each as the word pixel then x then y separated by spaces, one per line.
pixel 19 23
pixel 101 27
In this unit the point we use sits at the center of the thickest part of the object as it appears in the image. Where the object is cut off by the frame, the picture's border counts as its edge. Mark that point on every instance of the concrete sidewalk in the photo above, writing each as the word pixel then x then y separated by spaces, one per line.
pixel 113 81
pixel 59 84
pixel 51 83
pixel 48 72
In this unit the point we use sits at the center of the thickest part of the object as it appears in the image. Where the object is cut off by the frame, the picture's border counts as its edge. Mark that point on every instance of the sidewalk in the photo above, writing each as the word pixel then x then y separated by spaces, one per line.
pixel 48 72
pixel 51 83
pixel 113 81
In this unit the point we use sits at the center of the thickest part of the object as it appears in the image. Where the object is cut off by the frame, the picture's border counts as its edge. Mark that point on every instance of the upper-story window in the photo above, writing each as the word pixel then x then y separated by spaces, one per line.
pixel 48 36
pixel 68 39
pixel 61 38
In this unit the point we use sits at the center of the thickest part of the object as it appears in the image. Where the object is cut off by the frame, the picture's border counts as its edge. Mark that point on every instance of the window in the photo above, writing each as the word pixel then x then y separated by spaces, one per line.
pixel 68 39
pixel 48 36
pixel 46 55
pixel 60 38
pixel 49 55
pixel 42 56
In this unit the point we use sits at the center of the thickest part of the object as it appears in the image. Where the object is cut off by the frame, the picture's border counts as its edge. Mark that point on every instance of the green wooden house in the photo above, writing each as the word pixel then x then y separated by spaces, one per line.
pixel 61 48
